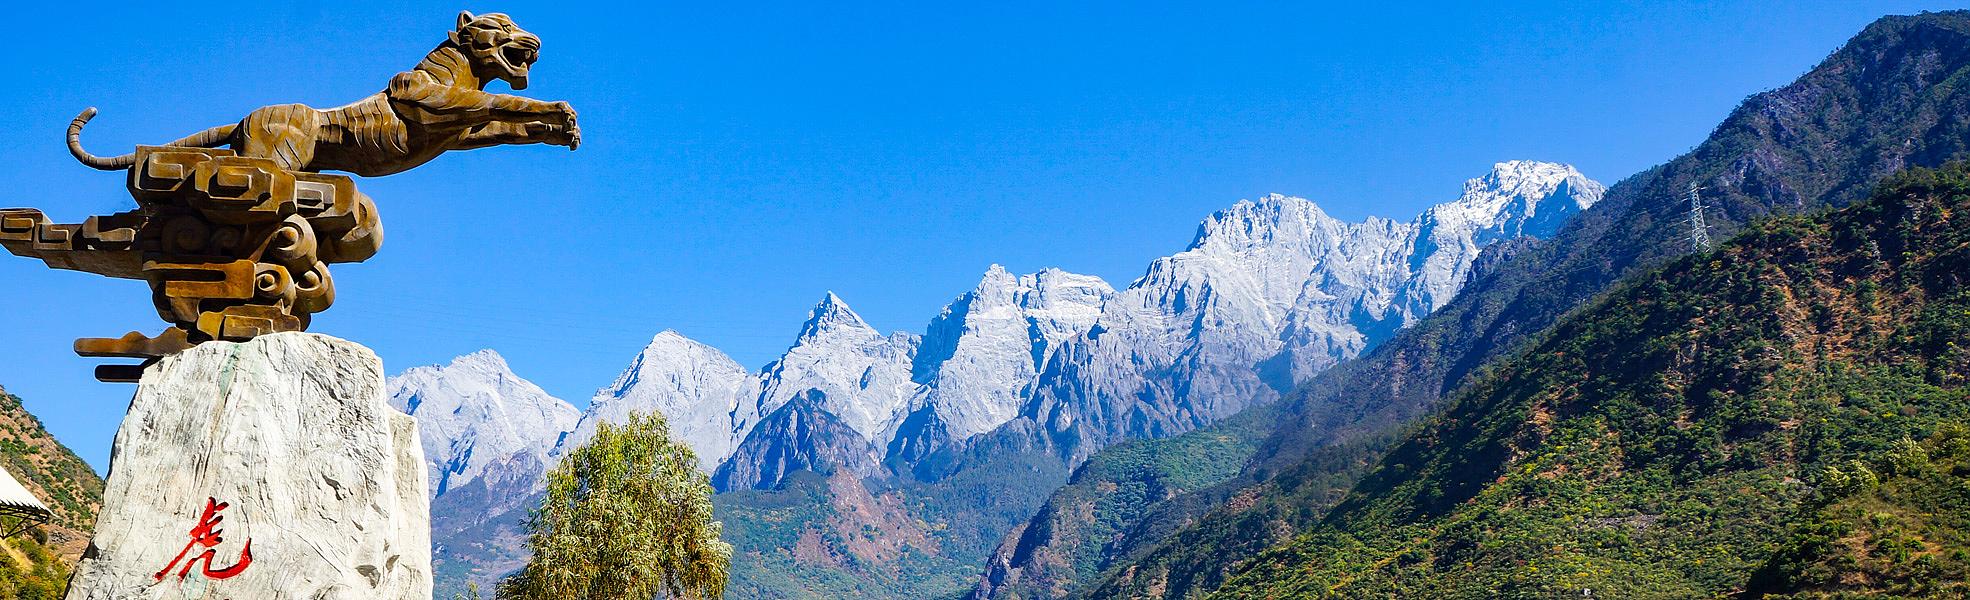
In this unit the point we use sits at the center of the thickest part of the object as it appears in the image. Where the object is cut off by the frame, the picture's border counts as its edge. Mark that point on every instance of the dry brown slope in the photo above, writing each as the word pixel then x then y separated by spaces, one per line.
pixel 53 473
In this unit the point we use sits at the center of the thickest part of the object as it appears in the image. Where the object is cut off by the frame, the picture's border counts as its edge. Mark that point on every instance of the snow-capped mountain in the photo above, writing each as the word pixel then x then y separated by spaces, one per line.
pixel 709 399
pixel 863 375
pixel 1513 200
pixel 858 377
pixel 981 355
pixel 827 401
pixel 1271 292
pixel 479 420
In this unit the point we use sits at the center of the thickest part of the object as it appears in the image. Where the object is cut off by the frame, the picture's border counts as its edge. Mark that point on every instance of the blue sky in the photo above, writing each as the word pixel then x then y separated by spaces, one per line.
pixel 739 160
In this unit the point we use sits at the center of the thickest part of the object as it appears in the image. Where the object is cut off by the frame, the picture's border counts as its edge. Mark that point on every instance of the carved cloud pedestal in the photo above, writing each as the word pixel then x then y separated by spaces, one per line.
pixel 268 469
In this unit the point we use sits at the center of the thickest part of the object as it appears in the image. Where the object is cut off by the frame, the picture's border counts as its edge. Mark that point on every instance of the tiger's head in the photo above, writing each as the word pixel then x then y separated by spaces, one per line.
pixel 497 48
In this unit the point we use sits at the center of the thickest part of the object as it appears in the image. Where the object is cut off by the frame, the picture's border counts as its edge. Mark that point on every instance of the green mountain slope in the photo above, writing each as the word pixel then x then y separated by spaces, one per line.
pixel 1098 518
pixel 35 564
pixel 1896 528
pixel 1691 429
pixel 837 536
pixel 1892 97
pixel 1201 538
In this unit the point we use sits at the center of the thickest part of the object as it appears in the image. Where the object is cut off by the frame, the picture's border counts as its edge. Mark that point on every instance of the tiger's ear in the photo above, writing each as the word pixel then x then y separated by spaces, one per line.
pixel 464 16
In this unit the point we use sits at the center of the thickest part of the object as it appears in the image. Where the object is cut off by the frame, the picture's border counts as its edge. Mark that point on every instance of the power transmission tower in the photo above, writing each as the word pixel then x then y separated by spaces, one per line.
pixel 1699 231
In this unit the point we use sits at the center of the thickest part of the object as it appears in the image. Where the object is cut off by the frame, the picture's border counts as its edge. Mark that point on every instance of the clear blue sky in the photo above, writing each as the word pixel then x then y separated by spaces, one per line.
pixel 738 161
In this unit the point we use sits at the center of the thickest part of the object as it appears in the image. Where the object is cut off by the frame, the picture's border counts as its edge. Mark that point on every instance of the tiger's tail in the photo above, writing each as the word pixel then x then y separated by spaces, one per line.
pixel 216 136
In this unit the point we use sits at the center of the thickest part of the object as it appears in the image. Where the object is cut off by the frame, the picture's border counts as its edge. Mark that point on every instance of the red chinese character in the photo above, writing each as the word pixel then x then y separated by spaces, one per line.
pixel 206 534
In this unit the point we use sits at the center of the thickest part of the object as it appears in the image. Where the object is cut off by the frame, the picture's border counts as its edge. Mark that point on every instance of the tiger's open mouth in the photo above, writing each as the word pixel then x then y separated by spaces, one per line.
pixel 519 56
pixel 516 57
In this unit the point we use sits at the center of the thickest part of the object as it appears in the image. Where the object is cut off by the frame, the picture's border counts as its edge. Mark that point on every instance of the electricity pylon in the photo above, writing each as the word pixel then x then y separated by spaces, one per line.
pixel 1699 231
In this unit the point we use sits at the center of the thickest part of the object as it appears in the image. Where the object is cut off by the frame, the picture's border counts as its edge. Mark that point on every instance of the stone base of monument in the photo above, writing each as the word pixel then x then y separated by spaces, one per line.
pixel 263 470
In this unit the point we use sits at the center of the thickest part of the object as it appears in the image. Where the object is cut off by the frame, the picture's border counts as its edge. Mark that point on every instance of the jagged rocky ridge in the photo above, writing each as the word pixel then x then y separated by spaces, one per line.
pixel 858 386
pixel 1270 292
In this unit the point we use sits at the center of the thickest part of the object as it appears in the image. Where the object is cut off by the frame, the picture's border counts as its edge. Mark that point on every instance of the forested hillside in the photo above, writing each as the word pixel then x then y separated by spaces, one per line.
pixel 1786 414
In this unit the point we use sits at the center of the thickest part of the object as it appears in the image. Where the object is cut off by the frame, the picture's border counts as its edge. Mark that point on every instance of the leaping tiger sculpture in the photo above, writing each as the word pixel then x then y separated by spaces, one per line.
pixel 235 225
pixel 440 105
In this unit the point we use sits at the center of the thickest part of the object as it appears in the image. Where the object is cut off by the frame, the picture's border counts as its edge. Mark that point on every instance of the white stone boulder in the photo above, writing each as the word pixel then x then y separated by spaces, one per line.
pixel 284 453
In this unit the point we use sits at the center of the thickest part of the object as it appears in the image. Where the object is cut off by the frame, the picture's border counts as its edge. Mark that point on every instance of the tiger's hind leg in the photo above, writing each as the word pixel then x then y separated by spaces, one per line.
pixel 285 133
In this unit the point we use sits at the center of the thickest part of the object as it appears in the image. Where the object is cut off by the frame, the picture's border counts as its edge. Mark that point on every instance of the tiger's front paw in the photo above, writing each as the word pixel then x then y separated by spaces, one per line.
pixel 570 128
pixel 552 134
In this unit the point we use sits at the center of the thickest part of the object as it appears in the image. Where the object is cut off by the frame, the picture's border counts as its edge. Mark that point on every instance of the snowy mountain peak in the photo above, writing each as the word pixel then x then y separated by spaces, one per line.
pixel 485 365
pixel 986 348
pixel 996 286
pixel 704 394
pixel 863 375
pixel 669 348
pixel 668 352
pixel 479 420
pixel 1060 305
pixel 1528 178
pixel 831 315
pixel 1271 220
pixel 1055 277
pixel 486 357
pixel 669 337
pixel 1518 197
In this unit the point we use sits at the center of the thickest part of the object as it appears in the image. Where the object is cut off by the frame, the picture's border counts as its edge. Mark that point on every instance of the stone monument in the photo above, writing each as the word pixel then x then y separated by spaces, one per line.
pixel 272 468
pixel 258 461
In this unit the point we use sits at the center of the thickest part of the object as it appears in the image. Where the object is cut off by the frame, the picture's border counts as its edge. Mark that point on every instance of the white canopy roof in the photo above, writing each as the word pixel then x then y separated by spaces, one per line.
pixel 15 496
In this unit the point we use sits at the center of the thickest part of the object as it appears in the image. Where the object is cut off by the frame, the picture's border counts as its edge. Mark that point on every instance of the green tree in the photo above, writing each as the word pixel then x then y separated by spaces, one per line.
pixel 626 516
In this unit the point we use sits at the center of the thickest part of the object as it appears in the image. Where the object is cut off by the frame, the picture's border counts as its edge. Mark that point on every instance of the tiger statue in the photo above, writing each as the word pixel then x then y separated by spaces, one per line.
pixel 440 105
